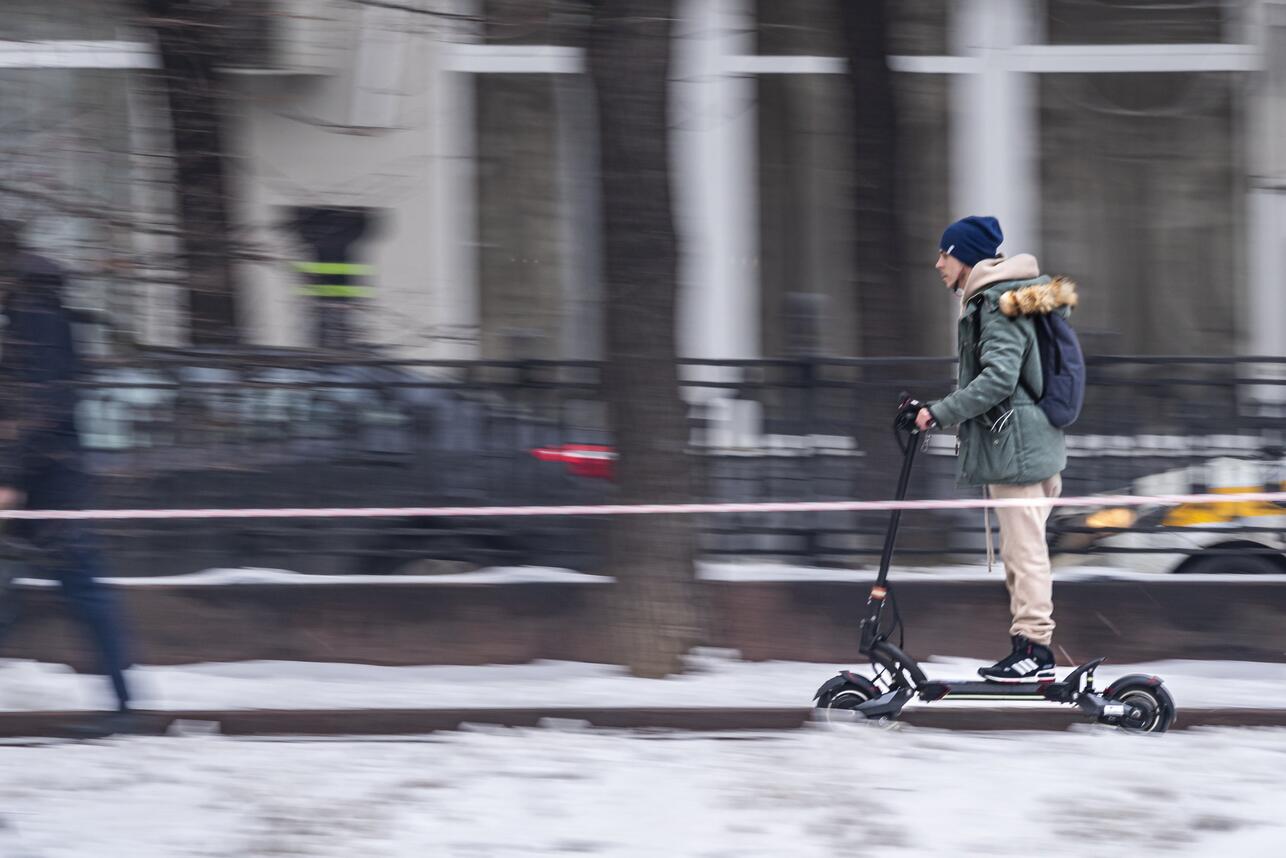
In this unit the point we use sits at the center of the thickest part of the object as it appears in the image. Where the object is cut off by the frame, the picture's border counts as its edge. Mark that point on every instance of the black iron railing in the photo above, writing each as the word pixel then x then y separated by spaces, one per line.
pixel 195 430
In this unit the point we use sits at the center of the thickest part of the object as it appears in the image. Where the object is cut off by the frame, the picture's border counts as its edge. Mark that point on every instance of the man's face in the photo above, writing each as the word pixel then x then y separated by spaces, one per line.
pixel 950 269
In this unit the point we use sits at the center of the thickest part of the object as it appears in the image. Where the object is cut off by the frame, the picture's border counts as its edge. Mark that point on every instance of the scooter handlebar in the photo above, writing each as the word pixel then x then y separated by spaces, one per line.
pixel 908 409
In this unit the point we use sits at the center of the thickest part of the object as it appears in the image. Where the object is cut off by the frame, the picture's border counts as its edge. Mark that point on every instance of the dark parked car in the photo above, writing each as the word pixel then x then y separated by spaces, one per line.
pixel 198 430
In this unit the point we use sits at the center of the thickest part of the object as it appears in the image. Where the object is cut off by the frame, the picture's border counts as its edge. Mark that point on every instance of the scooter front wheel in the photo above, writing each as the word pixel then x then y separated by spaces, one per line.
pixel 837 700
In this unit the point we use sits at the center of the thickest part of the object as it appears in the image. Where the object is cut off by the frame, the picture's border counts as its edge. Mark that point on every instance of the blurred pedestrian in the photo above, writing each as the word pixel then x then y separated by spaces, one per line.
pixel 1006 442
pixel 41 464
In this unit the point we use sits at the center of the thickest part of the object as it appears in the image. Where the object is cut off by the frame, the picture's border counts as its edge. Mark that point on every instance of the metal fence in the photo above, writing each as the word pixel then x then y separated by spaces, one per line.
pixel 199 430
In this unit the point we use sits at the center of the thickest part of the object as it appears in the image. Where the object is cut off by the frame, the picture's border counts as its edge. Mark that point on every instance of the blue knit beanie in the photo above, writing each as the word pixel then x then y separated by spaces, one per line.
pixel 972 239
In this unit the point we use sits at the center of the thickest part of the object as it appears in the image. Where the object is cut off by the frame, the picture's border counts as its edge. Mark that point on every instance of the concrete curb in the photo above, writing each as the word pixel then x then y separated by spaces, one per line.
pixel 409 722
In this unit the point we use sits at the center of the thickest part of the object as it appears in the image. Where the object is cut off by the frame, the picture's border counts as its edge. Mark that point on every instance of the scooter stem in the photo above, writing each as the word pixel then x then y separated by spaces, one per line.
pixel 890 538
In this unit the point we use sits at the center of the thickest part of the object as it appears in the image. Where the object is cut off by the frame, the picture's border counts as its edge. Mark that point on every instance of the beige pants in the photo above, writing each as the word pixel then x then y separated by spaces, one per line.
pixel 1026 557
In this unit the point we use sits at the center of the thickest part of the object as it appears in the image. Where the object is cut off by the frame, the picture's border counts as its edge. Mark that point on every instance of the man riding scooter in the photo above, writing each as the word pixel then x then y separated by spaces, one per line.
pixel 1006 442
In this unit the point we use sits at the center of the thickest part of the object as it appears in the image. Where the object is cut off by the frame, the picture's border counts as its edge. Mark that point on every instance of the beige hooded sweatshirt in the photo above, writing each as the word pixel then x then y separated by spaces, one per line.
pixel 989 271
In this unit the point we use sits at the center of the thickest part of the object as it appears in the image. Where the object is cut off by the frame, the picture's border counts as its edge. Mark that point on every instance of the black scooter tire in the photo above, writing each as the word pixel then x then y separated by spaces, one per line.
pixel 842 700
pixel 1154 699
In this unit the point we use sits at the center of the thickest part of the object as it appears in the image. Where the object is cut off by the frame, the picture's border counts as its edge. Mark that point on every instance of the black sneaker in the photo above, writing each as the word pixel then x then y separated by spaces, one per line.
pixel 1029 662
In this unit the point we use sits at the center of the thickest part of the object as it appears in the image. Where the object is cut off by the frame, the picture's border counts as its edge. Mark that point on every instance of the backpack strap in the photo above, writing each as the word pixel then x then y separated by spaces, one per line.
pixel 977 339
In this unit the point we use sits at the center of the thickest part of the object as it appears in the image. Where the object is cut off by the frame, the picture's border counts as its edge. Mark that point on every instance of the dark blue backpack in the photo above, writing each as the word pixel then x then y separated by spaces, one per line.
pixel 1062 368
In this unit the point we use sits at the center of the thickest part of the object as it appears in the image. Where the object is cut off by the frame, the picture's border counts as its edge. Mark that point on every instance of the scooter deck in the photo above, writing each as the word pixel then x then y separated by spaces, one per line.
pixel 983 690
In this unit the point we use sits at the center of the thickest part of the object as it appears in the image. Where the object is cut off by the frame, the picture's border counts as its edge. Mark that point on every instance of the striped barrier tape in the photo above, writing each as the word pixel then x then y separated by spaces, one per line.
pixel 639 509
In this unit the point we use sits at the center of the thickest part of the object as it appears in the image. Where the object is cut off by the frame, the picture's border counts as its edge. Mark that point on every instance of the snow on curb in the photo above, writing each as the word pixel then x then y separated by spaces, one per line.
pixel 225 577
pixel 714 679
pixel 726 571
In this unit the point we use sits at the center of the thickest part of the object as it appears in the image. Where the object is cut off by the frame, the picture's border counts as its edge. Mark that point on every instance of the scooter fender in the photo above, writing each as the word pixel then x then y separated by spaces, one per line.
pixel 1132 679
pixel 845 677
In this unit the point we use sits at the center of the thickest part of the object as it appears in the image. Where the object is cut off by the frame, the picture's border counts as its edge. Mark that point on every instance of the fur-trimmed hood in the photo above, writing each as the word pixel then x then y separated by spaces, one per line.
pixel 1039 300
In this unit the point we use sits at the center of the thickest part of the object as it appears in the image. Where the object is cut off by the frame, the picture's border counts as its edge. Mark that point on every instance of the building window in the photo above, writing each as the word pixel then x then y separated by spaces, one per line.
pixel 519 84
pixel 1109 138
pixel 1138 22
pixel 78 154
pixel 807 192
pixel 1143 190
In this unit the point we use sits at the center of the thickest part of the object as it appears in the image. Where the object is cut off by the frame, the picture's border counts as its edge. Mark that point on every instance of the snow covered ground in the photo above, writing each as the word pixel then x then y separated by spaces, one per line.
pixel 715 679
pixel 822 791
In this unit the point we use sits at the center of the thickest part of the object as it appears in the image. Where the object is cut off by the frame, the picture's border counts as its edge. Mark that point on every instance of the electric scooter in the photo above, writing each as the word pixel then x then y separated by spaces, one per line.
pixel 1136 702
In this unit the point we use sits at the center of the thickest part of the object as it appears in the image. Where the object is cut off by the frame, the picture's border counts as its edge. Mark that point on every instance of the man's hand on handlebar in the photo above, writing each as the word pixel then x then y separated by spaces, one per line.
pixel 913 416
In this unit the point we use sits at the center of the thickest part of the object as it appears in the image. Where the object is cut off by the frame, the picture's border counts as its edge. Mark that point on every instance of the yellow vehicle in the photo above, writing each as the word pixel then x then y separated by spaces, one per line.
pixel 1208 538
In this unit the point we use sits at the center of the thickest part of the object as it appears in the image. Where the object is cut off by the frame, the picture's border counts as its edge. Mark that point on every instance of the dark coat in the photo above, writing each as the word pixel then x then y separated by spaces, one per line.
pixel 1004 436
pixel 39 366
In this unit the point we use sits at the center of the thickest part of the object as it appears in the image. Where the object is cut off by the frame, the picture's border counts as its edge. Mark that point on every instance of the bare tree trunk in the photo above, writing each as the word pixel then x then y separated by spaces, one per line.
pixel 651 556
pixel 885 327
pixel 885 324
pixel 188 33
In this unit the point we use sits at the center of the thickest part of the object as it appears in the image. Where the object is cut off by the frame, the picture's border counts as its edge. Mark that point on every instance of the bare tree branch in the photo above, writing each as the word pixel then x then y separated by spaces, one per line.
pixel 414 10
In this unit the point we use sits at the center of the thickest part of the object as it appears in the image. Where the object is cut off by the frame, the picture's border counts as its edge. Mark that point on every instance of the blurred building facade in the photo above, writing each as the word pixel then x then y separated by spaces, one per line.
pixel 1137 147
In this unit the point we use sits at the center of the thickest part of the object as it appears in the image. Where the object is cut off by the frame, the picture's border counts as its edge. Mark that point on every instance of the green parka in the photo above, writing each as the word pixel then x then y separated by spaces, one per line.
pixel 1004 436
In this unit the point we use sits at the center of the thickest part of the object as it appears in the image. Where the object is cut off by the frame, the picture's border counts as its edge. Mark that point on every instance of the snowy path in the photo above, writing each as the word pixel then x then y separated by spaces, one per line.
pixel 545 792
pixel 715 680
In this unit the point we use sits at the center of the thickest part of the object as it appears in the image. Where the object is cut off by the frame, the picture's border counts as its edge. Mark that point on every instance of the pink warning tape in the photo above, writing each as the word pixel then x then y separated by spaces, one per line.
pixel 639 509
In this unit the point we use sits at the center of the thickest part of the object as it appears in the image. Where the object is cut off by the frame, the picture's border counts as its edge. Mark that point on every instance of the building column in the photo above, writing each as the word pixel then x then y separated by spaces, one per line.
pixel 455 196
pixel 1264 310
pixel 715 188
pixel 994 121
pixel 578 226
pixel 159 317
